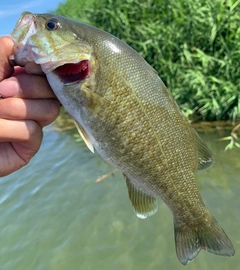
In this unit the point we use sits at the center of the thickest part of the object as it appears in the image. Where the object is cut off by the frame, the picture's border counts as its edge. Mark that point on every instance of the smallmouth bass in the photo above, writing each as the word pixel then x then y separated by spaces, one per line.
pixel 123 110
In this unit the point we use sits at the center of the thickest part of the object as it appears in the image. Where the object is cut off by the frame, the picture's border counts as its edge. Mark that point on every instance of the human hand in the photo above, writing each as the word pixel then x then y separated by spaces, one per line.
pixel 27 104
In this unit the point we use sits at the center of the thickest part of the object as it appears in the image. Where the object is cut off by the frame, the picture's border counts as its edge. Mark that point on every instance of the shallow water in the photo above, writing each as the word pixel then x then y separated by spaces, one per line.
pixel 54 216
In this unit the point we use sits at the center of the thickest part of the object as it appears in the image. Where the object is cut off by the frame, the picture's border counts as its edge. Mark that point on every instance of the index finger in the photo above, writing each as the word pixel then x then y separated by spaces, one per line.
pixel 6 49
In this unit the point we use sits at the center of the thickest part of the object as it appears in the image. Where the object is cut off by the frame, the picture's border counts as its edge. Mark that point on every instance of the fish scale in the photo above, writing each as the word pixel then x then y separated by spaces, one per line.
pixel 123 110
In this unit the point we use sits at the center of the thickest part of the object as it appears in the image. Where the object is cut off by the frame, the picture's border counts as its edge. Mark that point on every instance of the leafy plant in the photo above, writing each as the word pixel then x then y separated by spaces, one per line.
pixel 233 138
pixel 194 46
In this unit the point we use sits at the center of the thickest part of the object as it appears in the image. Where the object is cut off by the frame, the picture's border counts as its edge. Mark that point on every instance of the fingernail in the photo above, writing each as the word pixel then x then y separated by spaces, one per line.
pixel 8 88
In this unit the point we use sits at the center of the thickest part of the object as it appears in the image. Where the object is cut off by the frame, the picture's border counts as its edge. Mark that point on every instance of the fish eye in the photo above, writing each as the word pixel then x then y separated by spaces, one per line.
pixel 52 24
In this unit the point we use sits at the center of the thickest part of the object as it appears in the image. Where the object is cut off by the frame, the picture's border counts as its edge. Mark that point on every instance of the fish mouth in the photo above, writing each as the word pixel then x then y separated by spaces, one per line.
pixel 30 45
pixel 70 73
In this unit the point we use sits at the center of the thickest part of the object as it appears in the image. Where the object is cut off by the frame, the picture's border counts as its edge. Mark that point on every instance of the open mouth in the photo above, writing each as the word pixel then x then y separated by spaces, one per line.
pixel 71 73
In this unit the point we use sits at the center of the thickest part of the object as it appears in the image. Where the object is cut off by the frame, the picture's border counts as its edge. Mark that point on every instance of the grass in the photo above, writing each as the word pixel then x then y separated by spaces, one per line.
pixel 194 46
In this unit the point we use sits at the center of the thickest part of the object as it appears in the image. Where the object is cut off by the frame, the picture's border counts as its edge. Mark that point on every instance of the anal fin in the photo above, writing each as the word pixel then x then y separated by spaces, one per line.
pixel 145 205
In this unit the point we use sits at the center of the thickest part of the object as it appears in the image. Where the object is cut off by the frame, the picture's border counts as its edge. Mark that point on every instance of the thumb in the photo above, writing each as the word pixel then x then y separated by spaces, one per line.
pixel 6 49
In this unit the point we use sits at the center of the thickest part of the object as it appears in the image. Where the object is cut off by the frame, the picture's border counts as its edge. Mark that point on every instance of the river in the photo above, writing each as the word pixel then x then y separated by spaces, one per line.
pixel 54 216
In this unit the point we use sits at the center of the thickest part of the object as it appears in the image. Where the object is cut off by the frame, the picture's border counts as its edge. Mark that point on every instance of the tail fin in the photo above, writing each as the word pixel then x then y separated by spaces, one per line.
pixel 190 240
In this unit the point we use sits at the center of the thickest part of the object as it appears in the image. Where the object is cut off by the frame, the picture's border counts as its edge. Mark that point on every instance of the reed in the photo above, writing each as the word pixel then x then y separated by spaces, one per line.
pixel 194 46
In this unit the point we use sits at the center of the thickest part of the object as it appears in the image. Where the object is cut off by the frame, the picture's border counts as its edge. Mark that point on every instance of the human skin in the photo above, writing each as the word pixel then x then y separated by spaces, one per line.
pixel 27 104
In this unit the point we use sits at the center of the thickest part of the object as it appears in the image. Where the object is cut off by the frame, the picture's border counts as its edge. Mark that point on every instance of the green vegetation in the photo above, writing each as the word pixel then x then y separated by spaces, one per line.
pixel 194 46
pixel 233 138
pixel 76 9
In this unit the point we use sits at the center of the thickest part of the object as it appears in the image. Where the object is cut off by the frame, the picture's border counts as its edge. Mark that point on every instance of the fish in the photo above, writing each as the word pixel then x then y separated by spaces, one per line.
pixel 123 110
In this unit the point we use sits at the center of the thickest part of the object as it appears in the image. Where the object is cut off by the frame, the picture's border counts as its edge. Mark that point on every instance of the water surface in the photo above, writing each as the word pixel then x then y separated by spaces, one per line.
pixel 54 216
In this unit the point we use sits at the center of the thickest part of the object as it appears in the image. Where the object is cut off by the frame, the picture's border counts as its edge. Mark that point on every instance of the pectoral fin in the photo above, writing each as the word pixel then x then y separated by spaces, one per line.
pixel 205 156
pixel 144 204
pixel 84 136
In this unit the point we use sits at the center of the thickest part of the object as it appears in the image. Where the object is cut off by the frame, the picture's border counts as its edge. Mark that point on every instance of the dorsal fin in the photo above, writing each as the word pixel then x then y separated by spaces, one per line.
pixel 144 204
pixel 154 70
pixel 84 136
pixel 205 156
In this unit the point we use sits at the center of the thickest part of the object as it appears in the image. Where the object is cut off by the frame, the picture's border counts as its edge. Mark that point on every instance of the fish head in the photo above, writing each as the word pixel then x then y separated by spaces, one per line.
pixel 53 42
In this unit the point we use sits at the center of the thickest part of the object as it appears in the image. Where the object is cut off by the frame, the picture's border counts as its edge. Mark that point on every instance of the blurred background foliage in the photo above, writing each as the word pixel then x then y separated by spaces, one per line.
pixel 194 46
